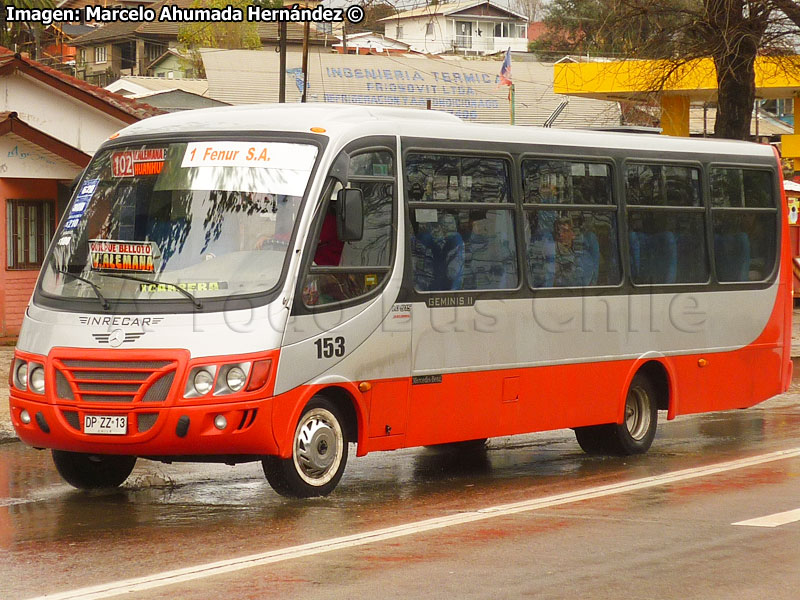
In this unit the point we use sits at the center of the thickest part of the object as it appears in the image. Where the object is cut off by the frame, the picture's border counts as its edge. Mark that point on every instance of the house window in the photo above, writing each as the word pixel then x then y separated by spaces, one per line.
pixel 82 56
pixel 153 51
pixel 30 226
pixel 100 54
pixel 504 30
pixel 463 34
pixel 429 29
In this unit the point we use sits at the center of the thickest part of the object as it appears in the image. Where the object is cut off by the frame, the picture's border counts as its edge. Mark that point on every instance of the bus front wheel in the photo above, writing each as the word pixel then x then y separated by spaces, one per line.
pixel 93 471
pixel 636 432
pixel 319 454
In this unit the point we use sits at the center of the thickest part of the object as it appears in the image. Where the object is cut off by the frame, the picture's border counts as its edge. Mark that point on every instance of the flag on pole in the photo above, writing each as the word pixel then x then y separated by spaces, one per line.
pixel 505 70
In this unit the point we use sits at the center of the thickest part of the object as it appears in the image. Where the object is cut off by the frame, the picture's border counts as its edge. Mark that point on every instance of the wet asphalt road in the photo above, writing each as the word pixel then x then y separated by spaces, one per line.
pixel 655 539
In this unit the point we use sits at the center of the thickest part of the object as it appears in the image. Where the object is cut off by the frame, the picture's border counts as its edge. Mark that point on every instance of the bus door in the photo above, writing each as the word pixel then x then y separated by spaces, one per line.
pixel 340 324
pixel 464 266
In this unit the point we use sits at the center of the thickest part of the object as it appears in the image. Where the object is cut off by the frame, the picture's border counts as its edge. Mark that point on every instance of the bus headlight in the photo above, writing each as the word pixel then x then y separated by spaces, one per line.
pixel 235 378
pixel 219 379
pixel 22 376
pixel 203 382
pixel 37 380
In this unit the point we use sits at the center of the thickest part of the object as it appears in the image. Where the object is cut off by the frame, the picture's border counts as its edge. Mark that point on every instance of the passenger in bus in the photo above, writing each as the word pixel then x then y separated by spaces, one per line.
pixel 567 263
pixel 329 247
pixel 653 251
pixel 448 254
pixel 475 250
pixel 541 253
pixel 446 250
pixel 587 250
pixel 325 288
pixel 548 194
pixel 732 251
pixel 489 262
pixel 421 257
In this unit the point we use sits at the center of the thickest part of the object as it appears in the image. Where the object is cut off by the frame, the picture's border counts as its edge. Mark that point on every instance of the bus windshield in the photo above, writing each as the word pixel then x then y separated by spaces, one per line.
pixel 155 221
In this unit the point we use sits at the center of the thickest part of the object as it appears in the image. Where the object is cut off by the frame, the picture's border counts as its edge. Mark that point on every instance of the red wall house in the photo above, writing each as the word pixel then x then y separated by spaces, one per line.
pixel 17 283
pixel 32 197
pixel 50 125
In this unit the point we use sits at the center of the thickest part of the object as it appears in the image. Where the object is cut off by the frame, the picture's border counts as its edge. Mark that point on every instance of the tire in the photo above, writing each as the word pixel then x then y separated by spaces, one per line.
pixel 319 454
pixel 93 471
pixel 592 439
pixel 637 431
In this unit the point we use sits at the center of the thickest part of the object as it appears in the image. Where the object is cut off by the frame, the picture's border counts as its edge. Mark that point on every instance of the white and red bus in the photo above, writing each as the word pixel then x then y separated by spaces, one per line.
pixel 275 283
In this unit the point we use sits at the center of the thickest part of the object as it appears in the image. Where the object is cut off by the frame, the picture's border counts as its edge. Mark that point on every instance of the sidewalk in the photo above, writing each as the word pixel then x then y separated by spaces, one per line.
pixel 6 430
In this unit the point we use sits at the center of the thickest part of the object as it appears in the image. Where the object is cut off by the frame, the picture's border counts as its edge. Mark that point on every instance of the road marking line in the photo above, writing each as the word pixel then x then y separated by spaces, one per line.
pixel 13 501
pixel 776 520
pixel 165 578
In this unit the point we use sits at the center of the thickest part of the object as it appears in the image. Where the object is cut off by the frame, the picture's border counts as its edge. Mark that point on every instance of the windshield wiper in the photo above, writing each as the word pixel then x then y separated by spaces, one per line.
pixel 103 302
pixel 174 287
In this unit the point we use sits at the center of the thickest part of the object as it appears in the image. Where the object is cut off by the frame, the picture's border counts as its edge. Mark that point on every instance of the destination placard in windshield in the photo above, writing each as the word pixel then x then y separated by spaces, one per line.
pixel 113 255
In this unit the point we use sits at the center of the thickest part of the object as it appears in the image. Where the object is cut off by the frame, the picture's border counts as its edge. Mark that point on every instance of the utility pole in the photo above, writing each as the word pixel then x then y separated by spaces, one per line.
pixel 512 101
pixel 282 62
pixel 306 33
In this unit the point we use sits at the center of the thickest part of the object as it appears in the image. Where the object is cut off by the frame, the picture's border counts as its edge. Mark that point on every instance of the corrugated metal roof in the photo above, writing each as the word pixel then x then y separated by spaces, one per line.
pixel 77 87
pixel 467 88
pixel 158 84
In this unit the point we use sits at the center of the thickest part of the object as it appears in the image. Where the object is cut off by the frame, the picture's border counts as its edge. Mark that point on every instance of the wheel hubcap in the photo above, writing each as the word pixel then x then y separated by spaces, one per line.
pixel 318 447
pixel 637 413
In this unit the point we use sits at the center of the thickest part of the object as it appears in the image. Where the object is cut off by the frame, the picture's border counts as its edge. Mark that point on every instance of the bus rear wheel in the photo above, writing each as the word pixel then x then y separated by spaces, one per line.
pixel 93 471
pixel 319 454
pixel 636 432
pixel 592 439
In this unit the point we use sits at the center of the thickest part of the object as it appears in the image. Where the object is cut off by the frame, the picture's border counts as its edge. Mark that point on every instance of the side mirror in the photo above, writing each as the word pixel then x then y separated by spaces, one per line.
pixel 350 215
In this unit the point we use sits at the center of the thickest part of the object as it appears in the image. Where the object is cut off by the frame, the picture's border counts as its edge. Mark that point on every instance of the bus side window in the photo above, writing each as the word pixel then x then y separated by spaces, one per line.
pixel 571 223
pixel 666 224
pixel 456 241
pixel 744 215
pixel 348 270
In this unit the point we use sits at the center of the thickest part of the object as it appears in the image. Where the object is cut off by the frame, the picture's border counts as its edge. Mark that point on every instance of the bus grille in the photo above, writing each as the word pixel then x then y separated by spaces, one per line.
pixel 118 382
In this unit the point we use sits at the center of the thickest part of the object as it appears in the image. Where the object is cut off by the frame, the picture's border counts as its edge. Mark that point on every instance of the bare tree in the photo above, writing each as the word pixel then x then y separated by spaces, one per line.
pixel 734 30
pixel 731 32
pixel 26 34
pixel 532 9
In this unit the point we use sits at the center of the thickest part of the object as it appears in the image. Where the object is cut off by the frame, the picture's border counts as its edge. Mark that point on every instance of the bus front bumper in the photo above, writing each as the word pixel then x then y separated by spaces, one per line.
pixel 219 429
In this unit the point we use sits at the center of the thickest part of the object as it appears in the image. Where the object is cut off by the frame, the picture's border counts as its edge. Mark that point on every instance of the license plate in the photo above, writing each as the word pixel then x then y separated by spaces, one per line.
pixel 105 424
